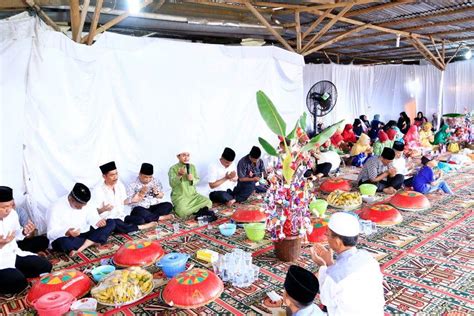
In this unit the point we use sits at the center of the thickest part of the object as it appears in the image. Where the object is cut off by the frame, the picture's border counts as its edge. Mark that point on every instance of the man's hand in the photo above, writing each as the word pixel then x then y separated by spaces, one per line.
pixel 182 171
pixel 4 240
pixel 101 223
pixel 256 179
pixel 190 177
pixel 143 190
pixel 322 256
pixel 230 175
pixel 159 195
pixel 105 208
pixel 73 232
pixel 29 228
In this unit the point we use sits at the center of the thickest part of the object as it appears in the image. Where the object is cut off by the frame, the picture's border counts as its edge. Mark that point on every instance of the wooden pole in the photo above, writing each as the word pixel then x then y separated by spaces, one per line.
pixel 268 26
pixel 95 20
pixel 85 8
pixel 43 15
pixel 429 53
pixel 316 23
pixel 75 18
pixel 298 31
pixel 335 39
pixel 120 18
pixel 333 21
pixel 437 51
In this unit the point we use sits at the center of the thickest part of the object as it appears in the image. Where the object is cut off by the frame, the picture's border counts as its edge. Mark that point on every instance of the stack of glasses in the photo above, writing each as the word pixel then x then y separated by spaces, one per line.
pixel 237 268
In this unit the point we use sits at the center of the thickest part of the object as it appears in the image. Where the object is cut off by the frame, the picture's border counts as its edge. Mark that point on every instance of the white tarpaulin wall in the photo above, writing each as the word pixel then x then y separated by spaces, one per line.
pixel 131 100
pixel 388 89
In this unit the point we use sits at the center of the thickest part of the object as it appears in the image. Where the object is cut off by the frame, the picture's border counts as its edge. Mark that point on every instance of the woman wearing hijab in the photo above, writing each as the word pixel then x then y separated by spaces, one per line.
pixel 375 126
pixel 426 136
pixel 357 127
pixel 403 122
pixel 391 133
pixel 382 142
pixel 348 134
pixel 420 119
pixel 411 138
pixel 365 123
pixel 361 150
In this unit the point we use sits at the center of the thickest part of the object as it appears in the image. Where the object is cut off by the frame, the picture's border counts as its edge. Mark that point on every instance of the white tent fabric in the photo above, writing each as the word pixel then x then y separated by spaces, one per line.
pixel 131 100
pixel 388 89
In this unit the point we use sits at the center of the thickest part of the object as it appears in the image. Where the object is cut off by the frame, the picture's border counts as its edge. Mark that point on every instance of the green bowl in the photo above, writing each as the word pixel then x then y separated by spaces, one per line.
pixel 255 231
pixel 318 207
pixel 368 189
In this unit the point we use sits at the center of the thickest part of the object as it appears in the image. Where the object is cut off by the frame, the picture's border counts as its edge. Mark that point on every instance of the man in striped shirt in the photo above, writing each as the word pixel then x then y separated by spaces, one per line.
pixel 376 169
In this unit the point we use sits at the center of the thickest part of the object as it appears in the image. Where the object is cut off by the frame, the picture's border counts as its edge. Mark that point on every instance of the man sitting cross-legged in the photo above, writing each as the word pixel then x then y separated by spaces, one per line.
pixel 110 197
pixel 73 225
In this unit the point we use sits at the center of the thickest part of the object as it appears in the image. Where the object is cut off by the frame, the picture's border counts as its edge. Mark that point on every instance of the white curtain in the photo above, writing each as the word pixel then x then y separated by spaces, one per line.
pixel 134 100
pixel 390 89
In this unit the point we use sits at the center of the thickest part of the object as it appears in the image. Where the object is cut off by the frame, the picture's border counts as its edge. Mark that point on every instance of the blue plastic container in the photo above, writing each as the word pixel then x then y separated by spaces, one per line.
pixel 173 263
pixel 227 229
pixel 101 272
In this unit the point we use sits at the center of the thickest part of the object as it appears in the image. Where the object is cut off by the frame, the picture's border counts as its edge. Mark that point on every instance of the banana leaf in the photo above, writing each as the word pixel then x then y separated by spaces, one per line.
pixel 303 121
pixel 268 147
pixel 453 115
pixel 292 134
pixel 270 114
pixel 322 137
pixel 287 171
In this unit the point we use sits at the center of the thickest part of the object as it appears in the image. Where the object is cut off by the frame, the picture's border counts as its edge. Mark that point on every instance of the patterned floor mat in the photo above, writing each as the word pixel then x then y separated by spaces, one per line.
pixel 428 261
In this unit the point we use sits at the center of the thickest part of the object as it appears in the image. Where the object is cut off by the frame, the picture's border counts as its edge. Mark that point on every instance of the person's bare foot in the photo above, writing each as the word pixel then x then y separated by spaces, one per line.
pixel 166 217
pixel 73 253
pixel 389 190
pixel 230 203
pixel 148 225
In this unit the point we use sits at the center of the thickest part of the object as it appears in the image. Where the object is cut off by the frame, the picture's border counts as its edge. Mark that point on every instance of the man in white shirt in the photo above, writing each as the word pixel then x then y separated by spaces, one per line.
pixel 110 197
pixel 301 287
pixel 223 178
pixel 73 225
pixel 16 265
pixel 351 285
pixel 400 164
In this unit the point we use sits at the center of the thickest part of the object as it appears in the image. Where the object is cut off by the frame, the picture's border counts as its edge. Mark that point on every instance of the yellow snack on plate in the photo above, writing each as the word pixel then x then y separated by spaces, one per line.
pixel 207 255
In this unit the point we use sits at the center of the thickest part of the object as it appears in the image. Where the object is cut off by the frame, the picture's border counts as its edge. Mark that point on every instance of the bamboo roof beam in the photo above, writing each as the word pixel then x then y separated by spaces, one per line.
pixel 335 39
pixel 334 19
pixel 298 31
pixel 43 15
pixel 75 18
pixel 316 23
pixel 378 7
pixel 95 20
pixel 120 18
pixel 427 53
pixel 85 8
pixel 268 26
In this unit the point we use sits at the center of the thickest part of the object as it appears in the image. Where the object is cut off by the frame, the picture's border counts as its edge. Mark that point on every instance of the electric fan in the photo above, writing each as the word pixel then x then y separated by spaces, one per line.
pixel 320 100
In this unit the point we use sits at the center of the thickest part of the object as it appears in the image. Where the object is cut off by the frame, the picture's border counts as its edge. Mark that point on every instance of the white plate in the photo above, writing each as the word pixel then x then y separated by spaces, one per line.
pixel 129 302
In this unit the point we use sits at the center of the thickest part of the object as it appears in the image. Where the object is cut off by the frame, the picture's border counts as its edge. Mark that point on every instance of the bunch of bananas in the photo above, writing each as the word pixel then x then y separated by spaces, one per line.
pixel 340 198
pixel 123 286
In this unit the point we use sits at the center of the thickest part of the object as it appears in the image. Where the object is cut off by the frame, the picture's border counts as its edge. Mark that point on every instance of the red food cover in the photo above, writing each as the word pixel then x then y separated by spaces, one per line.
pixel 140 252
pixel 320 227
pixel 249 216
pixel 335 184
pixel 72 281
pixel 192 289
pixel 410 200
pixel 382 214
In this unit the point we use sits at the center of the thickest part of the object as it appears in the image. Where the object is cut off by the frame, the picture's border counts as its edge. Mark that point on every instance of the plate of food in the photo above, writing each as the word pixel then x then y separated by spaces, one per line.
pixel 344 200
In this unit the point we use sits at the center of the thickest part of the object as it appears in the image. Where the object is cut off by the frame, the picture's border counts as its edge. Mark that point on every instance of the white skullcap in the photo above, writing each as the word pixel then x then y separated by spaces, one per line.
pixel 183 150
pixel 344 224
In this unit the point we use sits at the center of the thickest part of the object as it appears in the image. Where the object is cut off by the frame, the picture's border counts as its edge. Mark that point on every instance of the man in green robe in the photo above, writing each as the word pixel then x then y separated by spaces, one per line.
pixel 186 200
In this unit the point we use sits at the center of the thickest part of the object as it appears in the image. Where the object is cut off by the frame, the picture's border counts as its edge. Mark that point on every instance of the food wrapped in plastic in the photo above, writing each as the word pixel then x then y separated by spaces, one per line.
pixel 123 287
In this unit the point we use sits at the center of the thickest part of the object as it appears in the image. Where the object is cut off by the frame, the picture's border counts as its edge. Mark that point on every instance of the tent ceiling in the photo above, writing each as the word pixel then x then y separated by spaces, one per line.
pixel 344 31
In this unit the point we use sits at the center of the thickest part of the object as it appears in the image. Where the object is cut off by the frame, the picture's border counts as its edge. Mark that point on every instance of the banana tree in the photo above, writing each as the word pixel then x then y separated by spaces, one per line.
pixel 277 125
